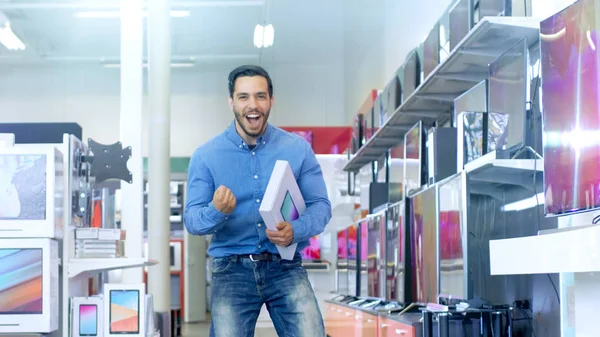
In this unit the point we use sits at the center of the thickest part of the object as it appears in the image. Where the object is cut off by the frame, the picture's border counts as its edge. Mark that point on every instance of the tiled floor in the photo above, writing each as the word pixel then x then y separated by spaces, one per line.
pixel 202 330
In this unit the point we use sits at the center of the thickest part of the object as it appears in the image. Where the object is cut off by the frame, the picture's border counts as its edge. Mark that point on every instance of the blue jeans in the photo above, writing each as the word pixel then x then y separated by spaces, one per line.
pixel 241 286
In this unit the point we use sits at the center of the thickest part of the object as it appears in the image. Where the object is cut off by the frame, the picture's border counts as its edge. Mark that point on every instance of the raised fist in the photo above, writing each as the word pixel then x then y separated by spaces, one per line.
pixel 224 200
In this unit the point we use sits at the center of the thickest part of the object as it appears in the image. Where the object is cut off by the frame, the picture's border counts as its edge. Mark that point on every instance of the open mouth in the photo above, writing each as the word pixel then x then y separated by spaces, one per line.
pixel 253 119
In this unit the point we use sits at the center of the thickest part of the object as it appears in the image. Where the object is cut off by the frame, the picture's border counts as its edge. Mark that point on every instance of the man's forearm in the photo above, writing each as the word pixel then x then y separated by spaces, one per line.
pixel 312 222
pixel 203 220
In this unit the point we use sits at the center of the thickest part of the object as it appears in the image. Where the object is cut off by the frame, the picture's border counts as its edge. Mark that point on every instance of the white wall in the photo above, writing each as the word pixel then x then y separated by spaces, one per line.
pixel 377 37
pixel 306 95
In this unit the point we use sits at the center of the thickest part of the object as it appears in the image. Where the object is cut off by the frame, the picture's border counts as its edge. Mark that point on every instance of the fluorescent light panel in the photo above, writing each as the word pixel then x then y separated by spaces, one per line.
pixel 117 14
pixel 264 36
pixel 9 39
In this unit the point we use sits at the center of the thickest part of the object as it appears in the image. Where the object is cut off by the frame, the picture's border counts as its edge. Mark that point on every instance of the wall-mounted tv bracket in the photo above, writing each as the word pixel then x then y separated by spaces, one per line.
pixel 109 161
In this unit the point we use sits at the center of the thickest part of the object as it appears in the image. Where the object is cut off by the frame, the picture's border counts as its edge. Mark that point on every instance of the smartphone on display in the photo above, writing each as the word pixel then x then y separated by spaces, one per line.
pixel 88 320
pixel 124 313
pixel 289 212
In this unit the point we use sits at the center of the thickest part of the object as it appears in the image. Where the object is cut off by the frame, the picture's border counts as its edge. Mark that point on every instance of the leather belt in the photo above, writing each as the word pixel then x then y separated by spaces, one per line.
pixel 261 257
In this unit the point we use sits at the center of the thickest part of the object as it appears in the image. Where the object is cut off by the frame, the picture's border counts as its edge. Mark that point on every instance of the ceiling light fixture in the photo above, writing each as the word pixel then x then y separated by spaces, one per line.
pixel 117 14
pixel 9 39
pixel 264 36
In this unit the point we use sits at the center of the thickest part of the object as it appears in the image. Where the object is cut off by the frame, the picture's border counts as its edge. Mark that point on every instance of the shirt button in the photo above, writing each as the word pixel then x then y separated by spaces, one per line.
pixel 240 146
pixel 264 142
pixel 257 201
pixel 253 153
pixel 259 225
pixel 259 246
pixel 255 176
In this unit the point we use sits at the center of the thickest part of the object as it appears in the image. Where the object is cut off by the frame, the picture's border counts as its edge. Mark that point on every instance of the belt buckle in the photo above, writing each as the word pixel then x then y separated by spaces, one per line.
pixel 252 258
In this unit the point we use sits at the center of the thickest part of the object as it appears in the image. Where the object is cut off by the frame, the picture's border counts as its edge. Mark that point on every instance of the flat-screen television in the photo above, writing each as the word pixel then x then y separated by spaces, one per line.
pixel 459 22
pixel 411 74
pixel 396 173
pixel 423 242
pixel 352 260
pixel 391 99
pixel 364 256
pixel 376 255
pixel 395 255
pixel 495 8
pixel 452 206
pixel 415 158
pixel 431 50
pixel 313 251
pixel 479 133
pixel 509 91
pixel 342 262
pixel 444 35
pixel 571 108
pixel 474 99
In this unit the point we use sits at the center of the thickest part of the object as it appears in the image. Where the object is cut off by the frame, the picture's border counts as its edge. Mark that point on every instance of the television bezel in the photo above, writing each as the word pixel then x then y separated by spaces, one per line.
pixel 421 160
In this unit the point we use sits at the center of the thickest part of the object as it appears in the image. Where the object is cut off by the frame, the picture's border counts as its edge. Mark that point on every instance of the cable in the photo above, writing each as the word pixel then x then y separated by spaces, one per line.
pixel 555 289
pixel 596 220
pixel 529 319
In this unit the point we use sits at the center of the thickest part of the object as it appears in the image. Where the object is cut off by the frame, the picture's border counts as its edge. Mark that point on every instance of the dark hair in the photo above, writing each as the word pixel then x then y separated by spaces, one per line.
pixel 248 70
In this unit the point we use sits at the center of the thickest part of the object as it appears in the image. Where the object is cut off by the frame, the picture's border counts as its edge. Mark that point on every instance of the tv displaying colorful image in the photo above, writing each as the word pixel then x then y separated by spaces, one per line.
pixel 352 244
pixel 571 108
pixel 423 236
pixel 124 311
pixel 395 254
pixel 373 254
pixel 413 158
pixel 289 212
pixel 22 187
pixel 21 281
pixel 88 320
pixel 474 99
pixel 452 266
pixel 509 91
pixel 352 260
pixel 313 251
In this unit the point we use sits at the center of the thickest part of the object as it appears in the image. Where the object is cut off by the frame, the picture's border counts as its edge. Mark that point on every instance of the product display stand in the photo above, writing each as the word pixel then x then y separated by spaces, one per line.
pixel 79 178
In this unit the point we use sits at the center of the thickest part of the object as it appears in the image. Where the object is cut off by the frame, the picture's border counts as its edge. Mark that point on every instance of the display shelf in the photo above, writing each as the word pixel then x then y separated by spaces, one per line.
pixel 433 100
pixel 313 266
pixel 572 250
pixel 78 266
pixel 487 174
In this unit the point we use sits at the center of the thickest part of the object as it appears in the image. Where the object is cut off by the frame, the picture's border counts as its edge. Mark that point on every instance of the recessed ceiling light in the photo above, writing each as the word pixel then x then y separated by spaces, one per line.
pixel 9 39
pixel 117 14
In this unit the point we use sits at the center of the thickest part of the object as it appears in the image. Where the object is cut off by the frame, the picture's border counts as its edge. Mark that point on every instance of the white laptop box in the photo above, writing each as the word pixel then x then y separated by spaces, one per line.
pixel 282 201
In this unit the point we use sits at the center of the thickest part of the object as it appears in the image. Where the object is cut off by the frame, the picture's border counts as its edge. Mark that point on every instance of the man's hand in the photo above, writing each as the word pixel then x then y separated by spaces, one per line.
pixel 224 200
pixel 283 236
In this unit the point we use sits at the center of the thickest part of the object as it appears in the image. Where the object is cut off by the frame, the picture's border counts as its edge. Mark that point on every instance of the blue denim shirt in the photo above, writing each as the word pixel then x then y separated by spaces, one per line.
pixel 227 160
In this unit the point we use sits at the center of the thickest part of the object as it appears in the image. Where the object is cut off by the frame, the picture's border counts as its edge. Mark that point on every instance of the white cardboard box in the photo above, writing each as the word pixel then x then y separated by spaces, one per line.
pixel 29 287
pixel 32 188
pixel 124 310
pixel 282 201
pixel 87 316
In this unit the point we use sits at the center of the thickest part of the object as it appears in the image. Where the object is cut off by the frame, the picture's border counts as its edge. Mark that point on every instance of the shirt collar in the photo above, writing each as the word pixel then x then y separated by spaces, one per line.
pixel 232 134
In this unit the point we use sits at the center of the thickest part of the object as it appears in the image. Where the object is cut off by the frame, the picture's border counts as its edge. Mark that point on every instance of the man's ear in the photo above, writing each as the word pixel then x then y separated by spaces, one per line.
pixel 230 103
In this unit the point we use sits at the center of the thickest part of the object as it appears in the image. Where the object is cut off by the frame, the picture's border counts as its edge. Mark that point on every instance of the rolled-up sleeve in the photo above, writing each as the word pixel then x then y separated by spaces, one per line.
pixel 318 207
pixel 200 215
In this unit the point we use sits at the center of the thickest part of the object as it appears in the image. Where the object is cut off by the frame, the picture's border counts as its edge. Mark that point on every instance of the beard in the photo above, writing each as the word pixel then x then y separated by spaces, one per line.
pixel 252 127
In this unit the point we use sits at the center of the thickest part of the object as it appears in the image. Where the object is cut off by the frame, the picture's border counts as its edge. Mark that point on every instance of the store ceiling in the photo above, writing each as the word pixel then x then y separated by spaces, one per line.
pixel 305 31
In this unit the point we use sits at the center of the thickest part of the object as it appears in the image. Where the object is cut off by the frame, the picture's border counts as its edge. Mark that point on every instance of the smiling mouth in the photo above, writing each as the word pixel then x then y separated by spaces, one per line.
pixel 253 119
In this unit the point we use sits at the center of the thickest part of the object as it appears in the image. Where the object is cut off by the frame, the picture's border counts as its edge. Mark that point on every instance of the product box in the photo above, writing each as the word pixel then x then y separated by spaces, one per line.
pixel 32 188
pixel 29 286
pixel 124 310
pixel 87 316
pixel 282 201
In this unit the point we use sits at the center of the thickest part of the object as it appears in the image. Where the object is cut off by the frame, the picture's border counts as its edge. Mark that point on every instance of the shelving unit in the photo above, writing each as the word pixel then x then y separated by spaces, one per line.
pixel 570 250
pixel 89 266
pixel 486 175
pixel 434 98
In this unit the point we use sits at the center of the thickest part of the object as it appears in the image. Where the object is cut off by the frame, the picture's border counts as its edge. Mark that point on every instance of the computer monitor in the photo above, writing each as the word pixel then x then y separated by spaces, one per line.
pixel 411 74
pixel 415 158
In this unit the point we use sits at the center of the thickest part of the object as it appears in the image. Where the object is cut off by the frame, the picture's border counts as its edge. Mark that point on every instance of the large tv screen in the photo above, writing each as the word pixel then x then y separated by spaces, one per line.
pixel 509 91
pixel 412 74
pixel 571 108
pixel 374 238
pixel 423 237
pixel 395 253
pixel 451 216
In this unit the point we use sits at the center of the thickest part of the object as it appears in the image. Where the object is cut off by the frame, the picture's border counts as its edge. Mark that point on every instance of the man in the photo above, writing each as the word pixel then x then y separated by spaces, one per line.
pixel 226 181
